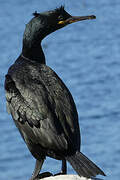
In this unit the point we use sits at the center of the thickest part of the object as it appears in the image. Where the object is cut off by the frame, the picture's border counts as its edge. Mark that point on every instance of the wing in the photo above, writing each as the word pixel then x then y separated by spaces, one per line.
pixel 42 105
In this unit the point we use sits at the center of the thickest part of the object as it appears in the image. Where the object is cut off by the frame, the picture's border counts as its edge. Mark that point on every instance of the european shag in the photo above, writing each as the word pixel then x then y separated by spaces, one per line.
pixel 41 105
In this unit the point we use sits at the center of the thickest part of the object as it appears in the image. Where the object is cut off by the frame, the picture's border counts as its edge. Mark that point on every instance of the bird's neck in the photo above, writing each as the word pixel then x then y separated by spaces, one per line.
pixel 34 53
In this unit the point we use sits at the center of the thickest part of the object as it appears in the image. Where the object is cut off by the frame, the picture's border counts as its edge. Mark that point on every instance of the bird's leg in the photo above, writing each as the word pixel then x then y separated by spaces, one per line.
pixel 64 167
pixel 37 169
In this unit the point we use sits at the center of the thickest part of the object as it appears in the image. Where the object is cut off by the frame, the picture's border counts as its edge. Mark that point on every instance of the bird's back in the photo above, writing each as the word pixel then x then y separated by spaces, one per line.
pixel 42 107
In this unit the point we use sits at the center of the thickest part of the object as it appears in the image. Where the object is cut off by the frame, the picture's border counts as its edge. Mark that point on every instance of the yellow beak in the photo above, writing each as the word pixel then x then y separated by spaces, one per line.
pixel 73 19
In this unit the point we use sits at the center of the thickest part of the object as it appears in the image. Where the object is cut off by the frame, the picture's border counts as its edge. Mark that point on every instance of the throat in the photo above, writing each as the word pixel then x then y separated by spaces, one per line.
pixel 34 54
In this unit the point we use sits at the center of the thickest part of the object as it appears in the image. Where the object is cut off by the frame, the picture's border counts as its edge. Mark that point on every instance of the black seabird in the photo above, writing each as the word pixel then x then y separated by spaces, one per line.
pixel 41 105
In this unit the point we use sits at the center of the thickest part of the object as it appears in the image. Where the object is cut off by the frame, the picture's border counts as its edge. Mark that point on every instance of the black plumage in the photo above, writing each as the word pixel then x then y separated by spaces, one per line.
pixel 41 105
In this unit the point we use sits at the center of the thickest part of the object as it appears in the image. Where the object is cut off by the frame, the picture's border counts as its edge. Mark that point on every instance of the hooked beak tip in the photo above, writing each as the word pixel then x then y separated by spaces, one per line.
pixel 92 17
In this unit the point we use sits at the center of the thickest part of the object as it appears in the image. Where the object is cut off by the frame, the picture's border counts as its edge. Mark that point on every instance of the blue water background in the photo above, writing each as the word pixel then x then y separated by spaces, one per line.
pixel 86 55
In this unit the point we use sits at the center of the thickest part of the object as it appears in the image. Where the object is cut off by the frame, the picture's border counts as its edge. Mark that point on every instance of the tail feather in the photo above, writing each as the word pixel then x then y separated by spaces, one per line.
pixel 83 166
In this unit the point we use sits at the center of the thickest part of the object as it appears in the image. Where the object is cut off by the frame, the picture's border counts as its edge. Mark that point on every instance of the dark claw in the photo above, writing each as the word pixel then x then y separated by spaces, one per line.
pixel 43 175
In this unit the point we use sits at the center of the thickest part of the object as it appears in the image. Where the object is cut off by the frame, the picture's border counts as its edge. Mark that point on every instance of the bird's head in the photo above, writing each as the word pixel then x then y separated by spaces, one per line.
pixel 45 23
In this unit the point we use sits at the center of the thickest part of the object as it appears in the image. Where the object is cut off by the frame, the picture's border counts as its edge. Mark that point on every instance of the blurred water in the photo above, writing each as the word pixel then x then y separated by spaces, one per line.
pixel 86 56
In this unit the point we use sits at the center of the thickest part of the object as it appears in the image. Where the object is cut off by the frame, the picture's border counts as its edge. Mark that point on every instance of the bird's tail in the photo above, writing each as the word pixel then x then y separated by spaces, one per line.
pixel 83 166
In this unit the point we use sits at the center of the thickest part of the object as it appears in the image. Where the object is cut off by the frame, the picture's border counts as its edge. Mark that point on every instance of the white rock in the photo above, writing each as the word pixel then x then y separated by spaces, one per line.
pixel 65 177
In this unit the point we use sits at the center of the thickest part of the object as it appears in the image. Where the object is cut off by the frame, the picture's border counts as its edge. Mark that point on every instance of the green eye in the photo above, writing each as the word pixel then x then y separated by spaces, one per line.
pixel 60 18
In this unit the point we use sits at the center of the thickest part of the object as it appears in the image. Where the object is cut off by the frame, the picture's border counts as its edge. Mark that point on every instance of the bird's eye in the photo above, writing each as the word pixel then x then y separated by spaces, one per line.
pixel 60 18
